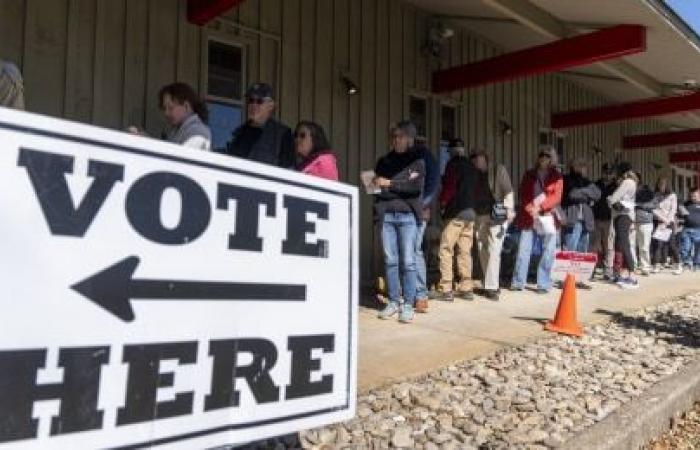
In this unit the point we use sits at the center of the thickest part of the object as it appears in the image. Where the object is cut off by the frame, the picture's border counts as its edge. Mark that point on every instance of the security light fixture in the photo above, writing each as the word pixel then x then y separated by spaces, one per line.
pixel 438 34
pixel 350 87
pixel 506 129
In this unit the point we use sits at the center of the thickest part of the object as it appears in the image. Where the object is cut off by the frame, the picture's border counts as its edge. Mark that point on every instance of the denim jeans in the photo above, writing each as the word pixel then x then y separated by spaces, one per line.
pixel 522 263
pixel 421 271
pixel 576 238
pixel 399 241
pixel 690 238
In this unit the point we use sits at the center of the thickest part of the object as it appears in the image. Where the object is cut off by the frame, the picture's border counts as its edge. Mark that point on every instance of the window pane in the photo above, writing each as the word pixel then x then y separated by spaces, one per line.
pixel 223 119
pixel 418 112
pixel 225 74
pixel 449 123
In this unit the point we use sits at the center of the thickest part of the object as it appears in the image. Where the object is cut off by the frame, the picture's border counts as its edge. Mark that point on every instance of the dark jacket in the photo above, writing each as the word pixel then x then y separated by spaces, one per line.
pixel 578 196
pixel 407 174
pixel 645 203
pixel 432 178
pixel 272 144
pixel 471 194
pixel 601 209
pixel 692 219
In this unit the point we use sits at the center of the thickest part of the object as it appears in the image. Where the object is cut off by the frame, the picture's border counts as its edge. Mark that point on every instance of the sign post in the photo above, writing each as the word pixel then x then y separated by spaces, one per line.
pixel 156 295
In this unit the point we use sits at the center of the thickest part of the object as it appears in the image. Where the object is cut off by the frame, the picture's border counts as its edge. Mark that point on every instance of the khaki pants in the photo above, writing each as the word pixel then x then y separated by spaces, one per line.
pixel 461 233
pixel 603 242
pixel 490 239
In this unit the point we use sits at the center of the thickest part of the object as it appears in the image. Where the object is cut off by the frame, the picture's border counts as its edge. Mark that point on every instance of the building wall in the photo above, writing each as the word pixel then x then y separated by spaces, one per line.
pixel 103 61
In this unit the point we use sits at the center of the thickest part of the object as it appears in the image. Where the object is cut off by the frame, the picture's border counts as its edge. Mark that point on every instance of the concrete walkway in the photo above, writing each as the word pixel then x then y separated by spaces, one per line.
pixel 455 331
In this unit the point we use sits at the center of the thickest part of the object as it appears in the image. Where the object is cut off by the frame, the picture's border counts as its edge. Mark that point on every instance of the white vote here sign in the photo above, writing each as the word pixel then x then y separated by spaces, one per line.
pixel 156 295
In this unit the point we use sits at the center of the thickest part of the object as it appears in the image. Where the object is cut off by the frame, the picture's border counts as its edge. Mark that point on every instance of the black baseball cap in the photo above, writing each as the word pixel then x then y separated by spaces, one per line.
pixel 259 90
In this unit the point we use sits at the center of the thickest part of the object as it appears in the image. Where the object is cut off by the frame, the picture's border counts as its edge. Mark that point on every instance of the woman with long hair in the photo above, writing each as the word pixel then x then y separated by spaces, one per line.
pixel 622 204
pixel 665 224
pixel 314 151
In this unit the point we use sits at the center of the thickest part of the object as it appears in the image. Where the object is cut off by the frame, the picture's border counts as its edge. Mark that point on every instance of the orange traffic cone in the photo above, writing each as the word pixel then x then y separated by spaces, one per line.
pixel 565 319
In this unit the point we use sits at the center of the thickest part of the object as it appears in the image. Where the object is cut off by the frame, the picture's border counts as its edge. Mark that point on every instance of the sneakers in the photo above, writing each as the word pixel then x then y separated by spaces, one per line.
pixel 679 270
pixel 389 310
pixel 466 295
pixel 422 305
pixel 491 294
pixel 542 291
pixel 406 313
pixel 447 296
pixel 515 288
pixel 627 283
pixel 656 269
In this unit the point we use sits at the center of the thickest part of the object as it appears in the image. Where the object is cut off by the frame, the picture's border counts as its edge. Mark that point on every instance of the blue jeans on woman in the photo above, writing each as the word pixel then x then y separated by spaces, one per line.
pixel 522 263
pixel 576 237
pixel 399 243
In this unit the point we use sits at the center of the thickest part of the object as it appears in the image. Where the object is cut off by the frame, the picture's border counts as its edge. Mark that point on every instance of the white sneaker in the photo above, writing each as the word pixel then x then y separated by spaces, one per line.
pixel 656 269
pixel 679 270
pixel 628 283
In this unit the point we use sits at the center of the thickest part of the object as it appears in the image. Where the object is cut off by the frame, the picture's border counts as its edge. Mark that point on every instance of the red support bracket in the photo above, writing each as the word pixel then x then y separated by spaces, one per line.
pixel 199 12
pixel 624 111
pixel 683 157
pixel 581 50
pixel 661 139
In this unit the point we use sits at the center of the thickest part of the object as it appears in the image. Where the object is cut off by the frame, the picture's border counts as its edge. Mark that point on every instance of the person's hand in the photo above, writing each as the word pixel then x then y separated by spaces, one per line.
pixel 382 182
pixel 532 209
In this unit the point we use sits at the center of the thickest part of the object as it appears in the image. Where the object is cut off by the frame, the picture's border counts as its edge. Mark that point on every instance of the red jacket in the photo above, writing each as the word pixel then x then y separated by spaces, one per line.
pixel 553 187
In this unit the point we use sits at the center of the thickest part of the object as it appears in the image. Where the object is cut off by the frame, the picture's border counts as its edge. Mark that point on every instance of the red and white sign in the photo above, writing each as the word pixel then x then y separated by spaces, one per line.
pixel 580 264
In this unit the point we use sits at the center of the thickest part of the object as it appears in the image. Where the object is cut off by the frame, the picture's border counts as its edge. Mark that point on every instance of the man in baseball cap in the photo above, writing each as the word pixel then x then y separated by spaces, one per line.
pixel 262 138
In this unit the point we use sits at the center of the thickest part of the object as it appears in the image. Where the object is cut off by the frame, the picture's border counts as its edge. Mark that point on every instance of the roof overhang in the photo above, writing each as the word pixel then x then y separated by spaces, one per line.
pixel 673 49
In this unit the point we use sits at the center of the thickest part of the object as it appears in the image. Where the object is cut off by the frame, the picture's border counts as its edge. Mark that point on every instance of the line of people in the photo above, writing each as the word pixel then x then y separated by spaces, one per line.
pixel 620 218
pixel 261 138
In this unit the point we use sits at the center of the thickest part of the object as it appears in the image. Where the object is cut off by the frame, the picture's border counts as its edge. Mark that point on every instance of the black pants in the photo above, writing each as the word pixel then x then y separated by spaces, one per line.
pixel 622 240
pixel 661 250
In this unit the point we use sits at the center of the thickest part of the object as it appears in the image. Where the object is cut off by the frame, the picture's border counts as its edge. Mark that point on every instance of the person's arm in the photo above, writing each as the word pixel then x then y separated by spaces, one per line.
pixel 411 184
pixel 198 142
pixel 553 193
pixel 449 185
pixel 618 193
pixel 592 192
pixel 287 158
pixel 432 178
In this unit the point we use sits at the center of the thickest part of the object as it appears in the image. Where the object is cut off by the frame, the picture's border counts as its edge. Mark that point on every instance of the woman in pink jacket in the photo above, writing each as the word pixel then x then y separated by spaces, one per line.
pixel 314 151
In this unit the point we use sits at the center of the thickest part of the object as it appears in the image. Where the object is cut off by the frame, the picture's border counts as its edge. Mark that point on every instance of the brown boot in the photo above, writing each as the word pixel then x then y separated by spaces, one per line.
pixel 422 305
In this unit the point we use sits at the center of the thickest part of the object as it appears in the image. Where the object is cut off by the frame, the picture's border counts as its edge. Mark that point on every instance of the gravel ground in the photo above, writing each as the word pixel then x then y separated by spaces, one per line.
pixel 534 396
pixel 684 433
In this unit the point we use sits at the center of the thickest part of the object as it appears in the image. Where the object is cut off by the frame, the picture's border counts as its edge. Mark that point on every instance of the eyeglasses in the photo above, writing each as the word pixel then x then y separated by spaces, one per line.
pixel 544 155
pixel 255 100
pixel 397 136
pixel 301 135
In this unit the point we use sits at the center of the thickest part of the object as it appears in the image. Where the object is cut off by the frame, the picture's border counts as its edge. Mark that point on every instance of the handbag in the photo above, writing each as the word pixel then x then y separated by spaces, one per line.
pixel 499 213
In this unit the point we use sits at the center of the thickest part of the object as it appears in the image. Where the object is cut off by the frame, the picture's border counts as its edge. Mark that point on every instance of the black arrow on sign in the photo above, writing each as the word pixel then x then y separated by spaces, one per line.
pixel 114 288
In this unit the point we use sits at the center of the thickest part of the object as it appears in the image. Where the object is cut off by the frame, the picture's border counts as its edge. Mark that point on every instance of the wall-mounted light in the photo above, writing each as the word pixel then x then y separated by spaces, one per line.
pixel 350 87
pixel 506 129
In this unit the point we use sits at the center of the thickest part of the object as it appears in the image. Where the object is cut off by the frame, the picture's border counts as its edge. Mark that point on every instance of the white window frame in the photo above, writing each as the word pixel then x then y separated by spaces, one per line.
pixel 205 70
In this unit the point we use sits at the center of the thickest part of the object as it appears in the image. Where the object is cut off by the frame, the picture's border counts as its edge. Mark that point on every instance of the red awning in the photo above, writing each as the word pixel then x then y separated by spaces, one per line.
pixel 581 50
